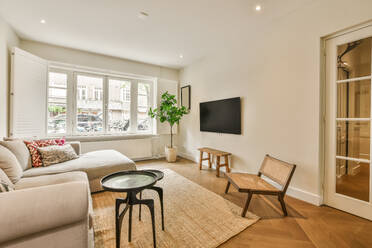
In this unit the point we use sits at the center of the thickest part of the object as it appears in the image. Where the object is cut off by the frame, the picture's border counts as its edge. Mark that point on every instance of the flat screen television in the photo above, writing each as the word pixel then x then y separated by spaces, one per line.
pixel 222 116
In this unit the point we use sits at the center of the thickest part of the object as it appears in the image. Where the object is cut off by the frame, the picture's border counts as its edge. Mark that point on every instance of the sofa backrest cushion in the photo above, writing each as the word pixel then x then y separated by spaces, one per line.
pixel 19 149
pixel 5 179
pixel 10 165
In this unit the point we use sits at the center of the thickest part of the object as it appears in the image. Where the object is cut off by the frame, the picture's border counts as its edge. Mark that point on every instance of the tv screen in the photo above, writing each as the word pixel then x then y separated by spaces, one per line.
pixel 222 116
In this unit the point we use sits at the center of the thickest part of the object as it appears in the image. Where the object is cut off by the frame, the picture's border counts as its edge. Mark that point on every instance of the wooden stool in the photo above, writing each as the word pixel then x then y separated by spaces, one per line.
pixel 218 155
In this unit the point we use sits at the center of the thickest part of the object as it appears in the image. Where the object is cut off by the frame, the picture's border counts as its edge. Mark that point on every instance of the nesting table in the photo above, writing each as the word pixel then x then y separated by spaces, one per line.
pixel 133 182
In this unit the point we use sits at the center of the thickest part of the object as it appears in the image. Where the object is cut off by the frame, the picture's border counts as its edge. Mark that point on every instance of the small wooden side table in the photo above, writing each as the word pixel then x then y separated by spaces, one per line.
pixel 218 155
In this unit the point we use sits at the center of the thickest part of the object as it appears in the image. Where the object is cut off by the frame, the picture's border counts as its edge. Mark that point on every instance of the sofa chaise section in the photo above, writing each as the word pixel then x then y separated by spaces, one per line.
pixel 96 164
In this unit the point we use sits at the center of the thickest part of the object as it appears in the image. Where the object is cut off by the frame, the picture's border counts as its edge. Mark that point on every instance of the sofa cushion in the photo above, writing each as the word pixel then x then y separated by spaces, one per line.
pixel 31 182
pixel 46 180
pixel 19 149
pixel 96 164
pixel 4 187
pixel 10 165
pixel 4 178
pixel 5 183
pixel 57 154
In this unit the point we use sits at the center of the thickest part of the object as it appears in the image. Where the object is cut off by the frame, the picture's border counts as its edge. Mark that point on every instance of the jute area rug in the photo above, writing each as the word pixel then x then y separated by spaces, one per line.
pixel 194 217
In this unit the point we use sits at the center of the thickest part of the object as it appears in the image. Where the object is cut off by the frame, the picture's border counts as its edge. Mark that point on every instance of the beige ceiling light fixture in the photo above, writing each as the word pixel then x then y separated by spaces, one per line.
pixel 181 56
pixel 42 21
pixel 258 7
pixel 143 15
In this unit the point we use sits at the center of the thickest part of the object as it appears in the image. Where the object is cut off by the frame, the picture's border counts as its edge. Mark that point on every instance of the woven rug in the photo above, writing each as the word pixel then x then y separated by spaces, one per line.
pixel 194 217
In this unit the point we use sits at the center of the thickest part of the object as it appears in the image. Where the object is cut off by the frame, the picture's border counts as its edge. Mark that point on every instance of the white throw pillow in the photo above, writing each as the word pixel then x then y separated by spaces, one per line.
pixel 10 165
pixel 19 149
pixel 57 154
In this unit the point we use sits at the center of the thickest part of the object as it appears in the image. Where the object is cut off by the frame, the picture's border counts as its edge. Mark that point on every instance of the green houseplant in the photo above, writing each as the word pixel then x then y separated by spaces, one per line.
pixel 168 111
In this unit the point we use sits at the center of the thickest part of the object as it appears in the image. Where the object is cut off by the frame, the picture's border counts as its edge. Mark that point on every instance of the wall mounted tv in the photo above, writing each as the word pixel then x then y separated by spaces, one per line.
pixel 222 116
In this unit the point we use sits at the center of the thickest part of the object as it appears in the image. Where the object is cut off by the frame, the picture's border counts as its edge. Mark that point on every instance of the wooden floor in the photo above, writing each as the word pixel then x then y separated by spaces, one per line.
pixel 306 225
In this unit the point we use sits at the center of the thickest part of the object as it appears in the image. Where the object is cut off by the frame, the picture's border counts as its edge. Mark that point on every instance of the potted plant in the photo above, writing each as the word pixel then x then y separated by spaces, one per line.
pixel 169 111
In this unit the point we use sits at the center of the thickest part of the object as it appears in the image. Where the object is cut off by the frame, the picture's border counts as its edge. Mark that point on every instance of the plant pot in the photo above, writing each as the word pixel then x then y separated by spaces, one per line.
pixel 171 154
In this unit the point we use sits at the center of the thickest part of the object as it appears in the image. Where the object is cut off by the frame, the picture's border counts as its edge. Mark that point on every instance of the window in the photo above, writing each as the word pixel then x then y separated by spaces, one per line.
pixel 89 112
pixel 97 93
pixel 119 105
pixel 143 120
pixel 82 92
pixel 125 93
pixel 57 103
pixel 94 104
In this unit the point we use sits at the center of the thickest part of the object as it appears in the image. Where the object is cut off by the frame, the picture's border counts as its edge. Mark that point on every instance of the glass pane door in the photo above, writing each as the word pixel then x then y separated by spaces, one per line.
pixel 353 119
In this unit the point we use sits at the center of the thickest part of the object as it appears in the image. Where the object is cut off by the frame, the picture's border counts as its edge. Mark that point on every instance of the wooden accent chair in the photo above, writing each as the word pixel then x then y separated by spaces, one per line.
pixel 278 171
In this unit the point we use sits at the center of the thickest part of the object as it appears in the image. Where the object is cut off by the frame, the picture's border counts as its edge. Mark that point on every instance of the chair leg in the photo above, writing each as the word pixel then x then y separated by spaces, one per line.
pixel 281 200
pixel 244 212
pixel 227 187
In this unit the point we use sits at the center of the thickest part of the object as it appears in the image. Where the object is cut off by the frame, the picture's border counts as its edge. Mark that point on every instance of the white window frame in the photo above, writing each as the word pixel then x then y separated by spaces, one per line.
pixel 72 97
pixel 75 99
pixel 123 95
pixel 80 91
pixel 151 101
pixel 69 103
pixel 98 93
pixel 132 81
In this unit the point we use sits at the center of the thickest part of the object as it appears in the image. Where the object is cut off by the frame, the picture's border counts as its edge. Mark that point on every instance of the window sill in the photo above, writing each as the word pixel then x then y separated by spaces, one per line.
pixel 109 137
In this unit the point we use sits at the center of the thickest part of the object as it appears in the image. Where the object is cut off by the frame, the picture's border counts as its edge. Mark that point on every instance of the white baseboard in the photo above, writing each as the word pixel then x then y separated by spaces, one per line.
pixel 187 156
pixel 149 158
pixel 291 191
pixel 304 196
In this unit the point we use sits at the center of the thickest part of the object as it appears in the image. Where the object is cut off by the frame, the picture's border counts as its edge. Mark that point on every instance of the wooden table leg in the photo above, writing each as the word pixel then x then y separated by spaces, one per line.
pixel 201 160
pixel 227 163
pixel 209 160
pixel 218 166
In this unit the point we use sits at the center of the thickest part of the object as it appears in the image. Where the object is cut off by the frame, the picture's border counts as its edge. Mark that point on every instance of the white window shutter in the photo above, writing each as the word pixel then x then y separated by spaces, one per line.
pixel 28 95
pixel 172 88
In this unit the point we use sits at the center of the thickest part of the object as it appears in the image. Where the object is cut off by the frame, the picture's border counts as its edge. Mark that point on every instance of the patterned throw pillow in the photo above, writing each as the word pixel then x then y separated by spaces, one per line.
pixel 5 187
pixel 60 142
pixel 35 144
pixel 57 154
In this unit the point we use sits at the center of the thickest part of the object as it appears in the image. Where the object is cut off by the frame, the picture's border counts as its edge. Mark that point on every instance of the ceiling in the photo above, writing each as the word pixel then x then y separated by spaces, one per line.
pixel 192 28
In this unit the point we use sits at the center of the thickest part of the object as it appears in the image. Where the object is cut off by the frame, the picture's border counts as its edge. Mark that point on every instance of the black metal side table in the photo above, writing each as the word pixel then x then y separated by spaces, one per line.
pixel 131 182
pixel 159 190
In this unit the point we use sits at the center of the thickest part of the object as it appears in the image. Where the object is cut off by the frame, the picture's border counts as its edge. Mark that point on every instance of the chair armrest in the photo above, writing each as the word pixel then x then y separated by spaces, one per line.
pixel 28 211
pixel 76 145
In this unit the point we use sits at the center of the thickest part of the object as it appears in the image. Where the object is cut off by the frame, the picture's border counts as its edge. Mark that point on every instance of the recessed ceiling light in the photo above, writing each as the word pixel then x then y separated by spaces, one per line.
pixel 181 56
pixel 143 15
pixel 42 21
pixel 258 7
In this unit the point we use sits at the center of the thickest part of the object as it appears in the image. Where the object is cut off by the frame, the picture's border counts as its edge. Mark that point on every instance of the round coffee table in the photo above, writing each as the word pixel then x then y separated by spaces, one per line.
pixel 159 190
pixel 131 182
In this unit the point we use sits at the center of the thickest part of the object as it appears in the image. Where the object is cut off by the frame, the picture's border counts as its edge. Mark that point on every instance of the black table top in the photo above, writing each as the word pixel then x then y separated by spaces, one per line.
pixel 159 174
pixel 125 181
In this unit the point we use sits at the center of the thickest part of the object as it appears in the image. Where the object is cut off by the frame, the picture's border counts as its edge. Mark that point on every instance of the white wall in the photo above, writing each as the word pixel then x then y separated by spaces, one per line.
pixel 276 72
pixel 79 57
pixel 8 39
pixel 151 147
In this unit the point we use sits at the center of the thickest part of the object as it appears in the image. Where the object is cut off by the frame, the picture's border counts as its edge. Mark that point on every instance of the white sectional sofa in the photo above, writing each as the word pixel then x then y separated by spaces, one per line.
pixel 51 206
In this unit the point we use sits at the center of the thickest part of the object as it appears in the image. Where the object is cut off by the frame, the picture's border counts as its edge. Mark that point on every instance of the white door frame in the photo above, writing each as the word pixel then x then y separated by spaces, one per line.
pixel 328 138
